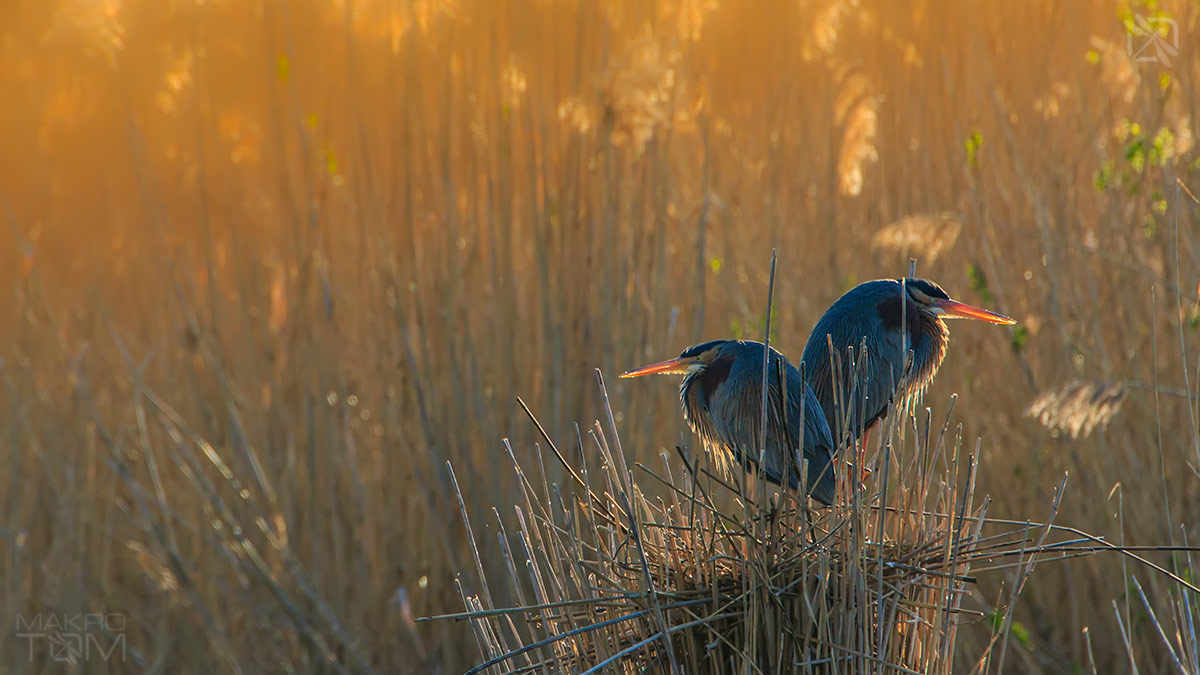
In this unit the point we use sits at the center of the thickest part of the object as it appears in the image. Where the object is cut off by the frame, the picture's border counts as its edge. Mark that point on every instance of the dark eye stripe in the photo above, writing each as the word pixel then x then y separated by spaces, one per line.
pixel 697 350
pixel 928 288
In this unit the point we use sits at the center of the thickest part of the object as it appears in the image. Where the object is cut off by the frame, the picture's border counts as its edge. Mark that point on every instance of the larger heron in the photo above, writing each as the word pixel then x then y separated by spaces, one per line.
pixel 721 397
pixel 889 316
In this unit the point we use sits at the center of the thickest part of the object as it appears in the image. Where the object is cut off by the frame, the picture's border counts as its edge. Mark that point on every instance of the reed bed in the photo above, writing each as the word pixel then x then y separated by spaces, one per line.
pixel 267 267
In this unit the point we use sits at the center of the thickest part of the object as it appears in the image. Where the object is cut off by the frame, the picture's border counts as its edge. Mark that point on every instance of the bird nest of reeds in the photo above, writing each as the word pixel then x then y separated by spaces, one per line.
pixel 674 568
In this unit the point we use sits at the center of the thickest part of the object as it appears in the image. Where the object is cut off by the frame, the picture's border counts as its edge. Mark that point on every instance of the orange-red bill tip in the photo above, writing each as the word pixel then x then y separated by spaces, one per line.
pixel 964 311
pixel 662 367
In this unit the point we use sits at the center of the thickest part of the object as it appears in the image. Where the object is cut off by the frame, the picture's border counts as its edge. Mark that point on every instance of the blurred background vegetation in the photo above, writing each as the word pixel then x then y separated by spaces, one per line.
pixel 268 266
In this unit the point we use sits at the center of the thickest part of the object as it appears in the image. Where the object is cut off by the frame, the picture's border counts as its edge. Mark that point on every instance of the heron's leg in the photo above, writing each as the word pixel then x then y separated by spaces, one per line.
pixel 865 472
pixel 853 461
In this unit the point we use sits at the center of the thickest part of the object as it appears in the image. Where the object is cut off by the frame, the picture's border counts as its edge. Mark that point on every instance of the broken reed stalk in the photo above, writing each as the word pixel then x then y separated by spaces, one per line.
pixel 652 573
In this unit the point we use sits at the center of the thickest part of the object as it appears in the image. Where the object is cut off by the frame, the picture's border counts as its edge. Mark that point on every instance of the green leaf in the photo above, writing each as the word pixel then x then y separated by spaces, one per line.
pixel 1019 337
pixel 972 145
pixel 997 620
pixel 1021 633
pixel 978 282
pixel 282 67
pixel 331 163
pixel 1104 176
pixel 1163 147
pixel 1135 153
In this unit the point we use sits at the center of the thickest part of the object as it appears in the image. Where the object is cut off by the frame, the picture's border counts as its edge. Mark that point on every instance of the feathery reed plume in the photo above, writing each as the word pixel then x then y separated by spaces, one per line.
pixel 689 16
pixel 1118 73
pixel 1049 105
pixel 97 23
pixel 242 136
pixel 826 28
pixel 930 233
pixel 637 91
pixel 179 79
pixel 427 12
pixel 157 570
pixel 513 83
pixel 1178 122
pixel 1078 407
pixel 576 113
pixel 855 111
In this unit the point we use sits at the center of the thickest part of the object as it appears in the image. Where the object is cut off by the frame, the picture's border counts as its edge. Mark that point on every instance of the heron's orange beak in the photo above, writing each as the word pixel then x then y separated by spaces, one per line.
pixel 671 367
pixel 961 310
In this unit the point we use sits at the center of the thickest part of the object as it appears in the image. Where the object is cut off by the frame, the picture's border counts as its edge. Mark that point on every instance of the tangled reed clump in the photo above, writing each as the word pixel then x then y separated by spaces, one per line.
pixel 657 569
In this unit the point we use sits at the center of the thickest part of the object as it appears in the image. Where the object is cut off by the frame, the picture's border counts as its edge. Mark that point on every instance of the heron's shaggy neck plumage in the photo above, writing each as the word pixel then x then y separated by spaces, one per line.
pixel 721 399
pixel 928 338
pixel 695 392
pixel 884 316
pixel 929 349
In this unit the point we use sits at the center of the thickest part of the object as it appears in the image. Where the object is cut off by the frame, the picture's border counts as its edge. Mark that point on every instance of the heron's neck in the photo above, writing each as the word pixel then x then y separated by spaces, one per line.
pixel 929 340
pixel 693 399
pixel 700 387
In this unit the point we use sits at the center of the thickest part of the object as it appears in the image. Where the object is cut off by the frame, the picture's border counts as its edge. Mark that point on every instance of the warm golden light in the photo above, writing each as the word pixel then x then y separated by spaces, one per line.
pixel 223 221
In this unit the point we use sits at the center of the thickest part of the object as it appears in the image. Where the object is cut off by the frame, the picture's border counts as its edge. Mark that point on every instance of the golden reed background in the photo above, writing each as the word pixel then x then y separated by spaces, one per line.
pixel 275 263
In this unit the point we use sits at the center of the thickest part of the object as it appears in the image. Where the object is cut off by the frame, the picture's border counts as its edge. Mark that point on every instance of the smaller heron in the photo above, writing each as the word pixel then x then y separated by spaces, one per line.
pixel 721 397
pixel 889 317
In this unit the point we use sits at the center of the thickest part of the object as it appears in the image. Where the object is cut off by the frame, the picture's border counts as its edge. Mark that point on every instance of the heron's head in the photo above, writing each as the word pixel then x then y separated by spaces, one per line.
pixel 931 299
pixel 706 368
pixel 692 361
